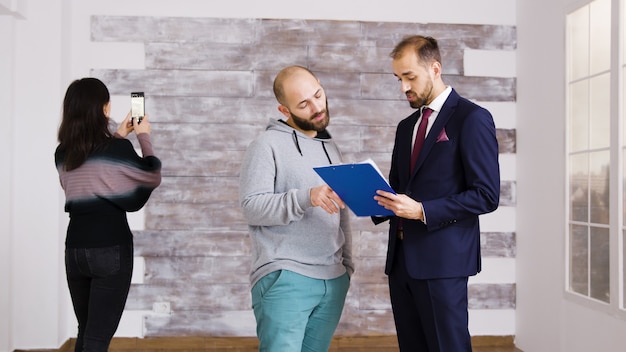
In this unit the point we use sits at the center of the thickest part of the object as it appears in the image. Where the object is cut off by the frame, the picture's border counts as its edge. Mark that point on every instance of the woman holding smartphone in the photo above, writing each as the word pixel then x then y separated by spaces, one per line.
pixel 103 178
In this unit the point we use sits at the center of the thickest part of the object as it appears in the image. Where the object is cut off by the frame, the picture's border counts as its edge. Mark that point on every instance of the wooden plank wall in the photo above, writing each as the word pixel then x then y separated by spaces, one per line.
pixel 208 87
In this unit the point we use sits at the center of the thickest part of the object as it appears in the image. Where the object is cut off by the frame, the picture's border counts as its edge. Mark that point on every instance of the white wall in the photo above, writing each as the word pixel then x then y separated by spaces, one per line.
pixel 35 247
pixel 6 157
pixel 547 318
pixel 540 147
pixel 42 53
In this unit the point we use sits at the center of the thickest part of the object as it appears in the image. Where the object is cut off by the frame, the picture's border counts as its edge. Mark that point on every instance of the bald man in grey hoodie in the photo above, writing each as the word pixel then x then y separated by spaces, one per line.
pixel 300 229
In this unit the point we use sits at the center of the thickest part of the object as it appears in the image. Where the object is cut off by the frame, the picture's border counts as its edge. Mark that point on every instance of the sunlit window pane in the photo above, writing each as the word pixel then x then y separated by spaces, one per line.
pixel 599 273
pixel 624 110
pixel 624 188
pixel 578 27
pixel 623 19
pixel 623 247
pixel 600 113
pixel 579 115
pixel 579 187
pixel 600 35
pixel 599 187
pixel 579 254
pixel 624 270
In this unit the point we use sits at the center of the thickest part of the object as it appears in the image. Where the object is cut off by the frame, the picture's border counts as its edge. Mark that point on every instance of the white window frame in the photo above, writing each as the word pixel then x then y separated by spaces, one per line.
pixel 617 227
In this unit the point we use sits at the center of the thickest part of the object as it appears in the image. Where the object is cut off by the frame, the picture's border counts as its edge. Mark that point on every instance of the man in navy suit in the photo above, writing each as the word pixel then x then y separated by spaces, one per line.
pixel 434 237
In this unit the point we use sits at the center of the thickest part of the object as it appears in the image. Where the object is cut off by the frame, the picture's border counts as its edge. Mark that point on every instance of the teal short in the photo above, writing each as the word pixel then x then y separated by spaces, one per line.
pixel 297 313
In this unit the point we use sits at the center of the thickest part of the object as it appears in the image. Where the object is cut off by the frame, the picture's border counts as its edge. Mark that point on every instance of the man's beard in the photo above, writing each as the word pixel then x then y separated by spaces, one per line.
pixel 306 124
pixel 422 99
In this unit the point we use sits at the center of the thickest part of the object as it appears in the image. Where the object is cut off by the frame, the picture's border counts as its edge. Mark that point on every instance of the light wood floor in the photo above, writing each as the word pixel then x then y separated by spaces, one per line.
pixel 250 344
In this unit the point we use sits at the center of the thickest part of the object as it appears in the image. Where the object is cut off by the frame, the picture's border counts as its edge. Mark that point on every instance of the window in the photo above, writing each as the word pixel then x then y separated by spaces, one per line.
pixel 591 147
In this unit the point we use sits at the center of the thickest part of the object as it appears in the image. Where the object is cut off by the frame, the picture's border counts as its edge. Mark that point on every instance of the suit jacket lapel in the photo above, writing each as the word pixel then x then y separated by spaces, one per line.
pixel 447 110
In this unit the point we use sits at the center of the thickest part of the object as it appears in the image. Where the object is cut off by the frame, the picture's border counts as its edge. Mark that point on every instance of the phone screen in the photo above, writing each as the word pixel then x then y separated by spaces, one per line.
pixel 137 108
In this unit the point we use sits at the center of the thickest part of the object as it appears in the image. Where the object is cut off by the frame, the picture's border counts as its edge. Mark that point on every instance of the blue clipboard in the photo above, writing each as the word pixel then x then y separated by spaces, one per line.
pixel 356 184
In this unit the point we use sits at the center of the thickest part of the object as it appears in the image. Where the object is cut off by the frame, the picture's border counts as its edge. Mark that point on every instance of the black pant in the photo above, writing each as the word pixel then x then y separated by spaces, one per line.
pixel 430 315
pixel 99 281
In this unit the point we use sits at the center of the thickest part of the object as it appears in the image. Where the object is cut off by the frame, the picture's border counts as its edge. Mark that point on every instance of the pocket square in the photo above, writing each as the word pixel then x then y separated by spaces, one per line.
pixel 443 137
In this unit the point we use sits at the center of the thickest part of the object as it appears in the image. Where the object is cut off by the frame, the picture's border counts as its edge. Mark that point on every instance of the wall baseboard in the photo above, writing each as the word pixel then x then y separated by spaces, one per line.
pixel 121 344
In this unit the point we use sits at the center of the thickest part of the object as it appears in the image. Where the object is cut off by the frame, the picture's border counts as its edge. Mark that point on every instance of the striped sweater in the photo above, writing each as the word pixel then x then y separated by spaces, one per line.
pixel 111 182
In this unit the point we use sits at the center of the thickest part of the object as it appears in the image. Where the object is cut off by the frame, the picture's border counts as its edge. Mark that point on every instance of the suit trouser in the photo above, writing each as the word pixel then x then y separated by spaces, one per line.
pixel 99 281
pixel 297 313
pixel 430 315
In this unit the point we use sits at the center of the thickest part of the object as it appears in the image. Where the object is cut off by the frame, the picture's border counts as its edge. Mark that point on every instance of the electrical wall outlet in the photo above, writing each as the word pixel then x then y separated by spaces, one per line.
pixel 161 307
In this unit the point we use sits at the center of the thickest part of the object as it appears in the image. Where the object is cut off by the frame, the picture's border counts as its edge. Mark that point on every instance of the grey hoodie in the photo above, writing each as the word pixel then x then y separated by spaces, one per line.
pixel 287 232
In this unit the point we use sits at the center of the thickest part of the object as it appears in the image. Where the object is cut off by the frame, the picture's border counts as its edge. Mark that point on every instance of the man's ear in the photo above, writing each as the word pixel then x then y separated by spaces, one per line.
pixel 436 66
pixel 283 110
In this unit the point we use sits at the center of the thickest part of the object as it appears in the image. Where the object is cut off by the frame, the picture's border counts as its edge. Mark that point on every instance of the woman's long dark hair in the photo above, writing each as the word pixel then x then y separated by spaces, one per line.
pixel 84 127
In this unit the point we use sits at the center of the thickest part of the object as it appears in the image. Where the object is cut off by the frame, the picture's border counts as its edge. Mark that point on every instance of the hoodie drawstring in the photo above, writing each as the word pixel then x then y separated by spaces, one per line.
pixel 325 151
pixel 295 139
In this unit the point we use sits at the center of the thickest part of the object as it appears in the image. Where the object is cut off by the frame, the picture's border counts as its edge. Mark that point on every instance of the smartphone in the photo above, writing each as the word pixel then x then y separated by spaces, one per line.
pixel 137 106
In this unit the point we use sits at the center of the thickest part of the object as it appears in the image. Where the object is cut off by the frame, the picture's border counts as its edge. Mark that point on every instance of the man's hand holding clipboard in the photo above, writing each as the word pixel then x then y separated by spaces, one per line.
pixel 356 184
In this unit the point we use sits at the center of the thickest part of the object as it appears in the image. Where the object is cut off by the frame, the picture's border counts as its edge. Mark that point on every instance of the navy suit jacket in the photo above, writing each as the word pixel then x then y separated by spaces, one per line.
pixel 457 178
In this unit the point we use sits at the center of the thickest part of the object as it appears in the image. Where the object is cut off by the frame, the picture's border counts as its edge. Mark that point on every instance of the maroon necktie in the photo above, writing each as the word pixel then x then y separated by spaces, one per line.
pixel 421 135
